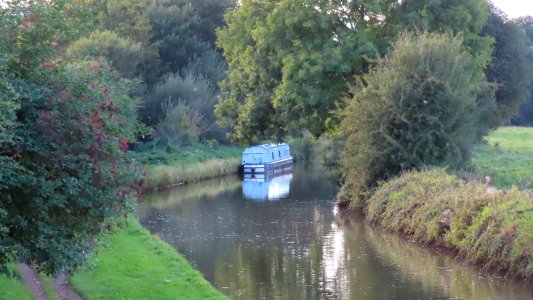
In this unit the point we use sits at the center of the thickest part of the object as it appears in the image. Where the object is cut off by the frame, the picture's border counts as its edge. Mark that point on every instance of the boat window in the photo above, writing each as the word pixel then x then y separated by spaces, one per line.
pixel 279 153
pixel 272 155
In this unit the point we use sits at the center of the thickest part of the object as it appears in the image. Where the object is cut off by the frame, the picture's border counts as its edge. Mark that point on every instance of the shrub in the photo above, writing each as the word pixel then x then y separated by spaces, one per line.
pixel 72 172
pixel 180 126
pixel 417 107
pixel 196 93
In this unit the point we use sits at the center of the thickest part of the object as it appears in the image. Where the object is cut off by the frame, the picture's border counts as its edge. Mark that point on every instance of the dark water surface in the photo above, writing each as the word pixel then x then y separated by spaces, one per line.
pixel 293 246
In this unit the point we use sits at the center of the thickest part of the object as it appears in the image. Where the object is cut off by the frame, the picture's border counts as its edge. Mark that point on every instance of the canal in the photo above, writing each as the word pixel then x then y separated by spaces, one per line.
pixel 281 238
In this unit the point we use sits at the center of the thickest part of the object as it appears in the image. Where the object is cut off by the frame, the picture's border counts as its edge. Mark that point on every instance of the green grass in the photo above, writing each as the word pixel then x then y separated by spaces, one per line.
pixel 507 157
pixel 133 264
pixel 13 288
pixel 166 168
pixel 48 286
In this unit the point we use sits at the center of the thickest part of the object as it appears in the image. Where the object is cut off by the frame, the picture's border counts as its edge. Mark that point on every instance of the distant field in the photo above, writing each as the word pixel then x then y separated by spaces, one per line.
pixel 507 157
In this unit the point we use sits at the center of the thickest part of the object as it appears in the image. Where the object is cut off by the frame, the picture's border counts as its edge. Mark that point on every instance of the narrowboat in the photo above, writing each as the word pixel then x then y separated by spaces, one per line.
pixel 267 158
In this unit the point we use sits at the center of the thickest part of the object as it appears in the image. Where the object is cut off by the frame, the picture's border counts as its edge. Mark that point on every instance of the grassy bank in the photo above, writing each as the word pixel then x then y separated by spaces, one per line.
pixel 190 164
pixel 507 157
pixel 487 227
pixel 132 264
pixel 13 288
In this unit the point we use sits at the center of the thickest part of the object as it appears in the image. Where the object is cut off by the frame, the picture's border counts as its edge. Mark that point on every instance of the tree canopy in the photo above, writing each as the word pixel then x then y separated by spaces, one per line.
pixel 509 68
pixel 525 113
pixel 290 61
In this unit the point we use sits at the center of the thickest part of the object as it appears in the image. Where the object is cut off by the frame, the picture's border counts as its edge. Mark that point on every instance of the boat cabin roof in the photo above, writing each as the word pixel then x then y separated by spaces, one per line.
pixel 265 147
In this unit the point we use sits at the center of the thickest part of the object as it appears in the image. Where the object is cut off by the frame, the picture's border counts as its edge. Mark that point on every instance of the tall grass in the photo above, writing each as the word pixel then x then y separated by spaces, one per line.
pixel 168 167
pixel 485 226
pixel 168 175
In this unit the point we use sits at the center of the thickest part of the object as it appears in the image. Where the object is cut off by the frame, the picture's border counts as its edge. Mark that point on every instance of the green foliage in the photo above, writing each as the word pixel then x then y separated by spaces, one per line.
pixel 174 27
pixel 133 264
pixel 210 65
pixel 525 114
pixel 175 37
pixel 417 107
pixel 65 169
pixel 486 226
pixel 466 17
pixel 186 104
pixel 123 54
pixel 180 127
pixel 510 67
pixel 289 62
pixel 127 19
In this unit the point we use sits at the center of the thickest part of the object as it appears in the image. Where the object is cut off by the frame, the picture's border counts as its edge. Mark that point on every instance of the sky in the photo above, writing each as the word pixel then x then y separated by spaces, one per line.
pixel 515 8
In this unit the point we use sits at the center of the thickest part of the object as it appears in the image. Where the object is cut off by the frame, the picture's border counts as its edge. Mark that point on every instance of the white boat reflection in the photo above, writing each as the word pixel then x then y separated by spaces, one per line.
pixel 261 187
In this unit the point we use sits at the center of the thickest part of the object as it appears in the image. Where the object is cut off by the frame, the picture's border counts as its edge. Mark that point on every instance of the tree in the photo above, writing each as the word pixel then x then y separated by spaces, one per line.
pixel 509 68
pixel 175 30
pixel 64 133
pixel 525 113
pixel 417 107
pixel 123 54
pixel 289 62
pixel 455 16
pixel 127 19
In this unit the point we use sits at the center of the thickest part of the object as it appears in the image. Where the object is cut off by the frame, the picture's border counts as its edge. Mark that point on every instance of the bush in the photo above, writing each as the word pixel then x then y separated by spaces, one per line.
pixel 195 92
pixel 417 107
pixel 72 173
pixel 180 127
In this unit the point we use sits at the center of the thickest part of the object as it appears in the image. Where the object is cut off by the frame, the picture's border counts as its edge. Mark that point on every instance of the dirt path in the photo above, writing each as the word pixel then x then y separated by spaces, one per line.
pixel 32 280
pixel 62 287
pixel 64 290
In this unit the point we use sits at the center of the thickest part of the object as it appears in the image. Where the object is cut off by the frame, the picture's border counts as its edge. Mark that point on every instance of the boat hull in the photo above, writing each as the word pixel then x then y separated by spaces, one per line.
pixel 274 167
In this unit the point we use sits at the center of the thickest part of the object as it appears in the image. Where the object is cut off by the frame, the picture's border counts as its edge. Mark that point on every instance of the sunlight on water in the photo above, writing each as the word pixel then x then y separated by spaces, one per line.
pixel 336 277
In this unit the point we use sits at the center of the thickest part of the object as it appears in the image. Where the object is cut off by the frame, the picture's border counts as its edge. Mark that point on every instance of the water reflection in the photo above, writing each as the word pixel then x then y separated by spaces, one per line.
pixel 296 248
pixel 266 187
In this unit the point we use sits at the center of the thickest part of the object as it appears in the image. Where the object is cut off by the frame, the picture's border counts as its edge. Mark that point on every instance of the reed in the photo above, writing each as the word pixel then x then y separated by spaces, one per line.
pixel 162 176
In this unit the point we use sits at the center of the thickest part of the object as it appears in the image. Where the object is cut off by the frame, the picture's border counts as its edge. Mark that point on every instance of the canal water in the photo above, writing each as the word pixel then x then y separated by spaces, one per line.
pixel 281 238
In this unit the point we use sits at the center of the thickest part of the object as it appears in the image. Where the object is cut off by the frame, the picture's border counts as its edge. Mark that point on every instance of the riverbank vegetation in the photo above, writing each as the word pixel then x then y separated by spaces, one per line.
pixel 190 164
pixel 483 225
pixel 133 264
